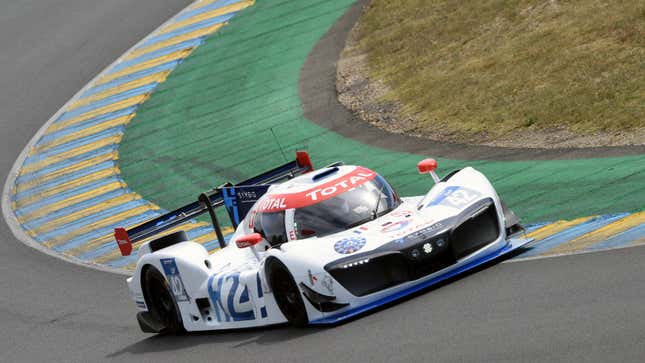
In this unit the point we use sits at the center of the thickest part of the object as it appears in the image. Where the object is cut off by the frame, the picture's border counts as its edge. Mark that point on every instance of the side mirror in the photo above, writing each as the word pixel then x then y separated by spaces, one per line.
pixel 426 166
pixel 248 240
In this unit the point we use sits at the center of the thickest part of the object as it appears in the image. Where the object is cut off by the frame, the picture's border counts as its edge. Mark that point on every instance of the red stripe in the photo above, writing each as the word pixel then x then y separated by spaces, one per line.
pixel 280 202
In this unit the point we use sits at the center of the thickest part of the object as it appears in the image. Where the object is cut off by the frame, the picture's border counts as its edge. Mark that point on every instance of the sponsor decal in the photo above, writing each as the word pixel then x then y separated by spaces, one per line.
pixel 455 197
pixel 417 236
pixel 280 202
pixel 328 283
pixel 403 213
pixel 239 200
pixel 271 204
pixel 174 279
pixel 230 297
pixel 312 278
pixel 396 226
pixel 349 245
pixel 360 230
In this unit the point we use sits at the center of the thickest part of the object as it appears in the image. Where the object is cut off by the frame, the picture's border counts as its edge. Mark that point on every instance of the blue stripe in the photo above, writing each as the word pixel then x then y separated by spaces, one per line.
pixel 187 29
pixel 126 260
pixel 214 244
pixel 51 183
pixel 204 9
pixel 625 238
pixel 532 227
pixel 89 219
pixel 157 53
pixel 130 77
pixel 85 124
pixel 65 163
pixel 569 234
pixel 74 208
pixel 39 204
pixel 211 245
pixel 88 237
pixel 116 130
pixel 107 101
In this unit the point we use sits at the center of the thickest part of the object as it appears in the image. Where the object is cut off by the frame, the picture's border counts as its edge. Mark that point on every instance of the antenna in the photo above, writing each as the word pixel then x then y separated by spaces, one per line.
pixel 280 146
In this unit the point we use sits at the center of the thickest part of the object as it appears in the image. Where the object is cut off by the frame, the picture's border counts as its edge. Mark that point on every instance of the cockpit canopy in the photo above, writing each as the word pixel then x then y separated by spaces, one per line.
pixel 346 208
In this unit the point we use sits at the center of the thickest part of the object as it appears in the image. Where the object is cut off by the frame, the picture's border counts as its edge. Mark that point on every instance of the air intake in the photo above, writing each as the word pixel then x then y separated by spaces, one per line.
pixel 324 174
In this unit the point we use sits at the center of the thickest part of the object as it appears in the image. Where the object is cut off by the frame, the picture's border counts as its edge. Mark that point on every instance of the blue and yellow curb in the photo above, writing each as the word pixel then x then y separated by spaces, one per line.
pixel 65 194
pixel 586 234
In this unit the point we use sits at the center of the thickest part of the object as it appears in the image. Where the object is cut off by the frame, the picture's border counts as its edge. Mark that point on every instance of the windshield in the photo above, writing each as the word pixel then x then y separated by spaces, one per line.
pixel 352 208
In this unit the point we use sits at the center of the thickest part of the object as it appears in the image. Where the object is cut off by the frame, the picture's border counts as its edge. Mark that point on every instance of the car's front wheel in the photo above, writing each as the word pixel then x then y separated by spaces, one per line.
pixel 287 294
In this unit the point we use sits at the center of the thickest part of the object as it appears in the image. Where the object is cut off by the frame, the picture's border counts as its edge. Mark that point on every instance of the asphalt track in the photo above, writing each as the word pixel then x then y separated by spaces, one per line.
pixel 586 307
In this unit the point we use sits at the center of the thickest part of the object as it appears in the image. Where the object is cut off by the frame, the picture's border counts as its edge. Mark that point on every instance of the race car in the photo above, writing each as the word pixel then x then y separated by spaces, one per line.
pixel 313 247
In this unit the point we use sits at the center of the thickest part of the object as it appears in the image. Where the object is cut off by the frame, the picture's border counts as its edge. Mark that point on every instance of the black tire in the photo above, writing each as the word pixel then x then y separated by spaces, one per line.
pixel 161 303
pixel 287 294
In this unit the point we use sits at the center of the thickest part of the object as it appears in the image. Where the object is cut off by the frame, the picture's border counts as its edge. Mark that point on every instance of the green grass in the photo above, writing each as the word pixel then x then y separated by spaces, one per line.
pixel 499 65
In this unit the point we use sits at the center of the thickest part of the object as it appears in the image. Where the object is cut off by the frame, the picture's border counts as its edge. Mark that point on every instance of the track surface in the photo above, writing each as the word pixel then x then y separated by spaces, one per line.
pixel 576 308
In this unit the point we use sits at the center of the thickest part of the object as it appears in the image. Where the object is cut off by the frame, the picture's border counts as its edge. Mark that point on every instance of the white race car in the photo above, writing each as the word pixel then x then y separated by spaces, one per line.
pixel 314 247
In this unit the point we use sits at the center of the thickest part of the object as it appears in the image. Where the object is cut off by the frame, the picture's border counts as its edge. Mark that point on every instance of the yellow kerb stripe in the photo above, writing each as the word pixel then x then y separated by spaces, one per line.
pixel 200 4
pixel 555 227
pixel 176 40
pixel 638 242
pixel 70 154
pixel 117 254
pixel 157 77
pixel 79 134
pixel 145 65
pixel 122 199
pixel 212 236
pixel 63 187
pixel 135 100
pixel 207 15
pixel 600 234
pixel 99 224
pixel 110 237
pixel 65 124
pixel 63 171
pixel 78 198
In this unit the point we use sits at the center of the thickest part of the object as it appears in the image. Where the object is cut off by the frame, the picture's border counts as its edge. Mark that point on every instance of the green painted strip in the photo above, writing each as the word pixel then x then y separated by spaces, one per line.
pixel 211 122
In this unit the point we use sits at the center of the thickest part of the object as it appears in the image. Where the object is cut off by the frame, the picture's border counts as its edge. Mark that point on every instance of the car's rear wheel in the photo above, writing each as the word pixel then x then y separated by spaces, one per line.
pixel 160 301
pixel 287 294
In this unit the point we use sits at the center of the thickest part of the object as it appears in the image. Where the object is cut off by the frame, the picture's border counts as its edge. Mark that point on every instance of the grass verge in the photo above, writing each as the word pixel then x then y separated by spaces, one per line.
pixel 493 66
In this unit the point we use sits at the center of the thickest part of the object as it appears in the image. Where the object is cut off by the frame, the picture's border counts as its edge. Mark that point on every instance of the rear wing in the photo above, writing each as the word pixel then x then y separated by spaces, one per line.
pixel 237 204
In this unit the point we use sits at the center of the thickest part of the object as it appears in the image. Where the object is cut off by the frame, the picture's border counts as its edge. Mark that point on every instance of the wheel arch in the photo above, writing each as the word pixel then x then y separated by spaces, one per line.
pixel 269 265
pixel 143 281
